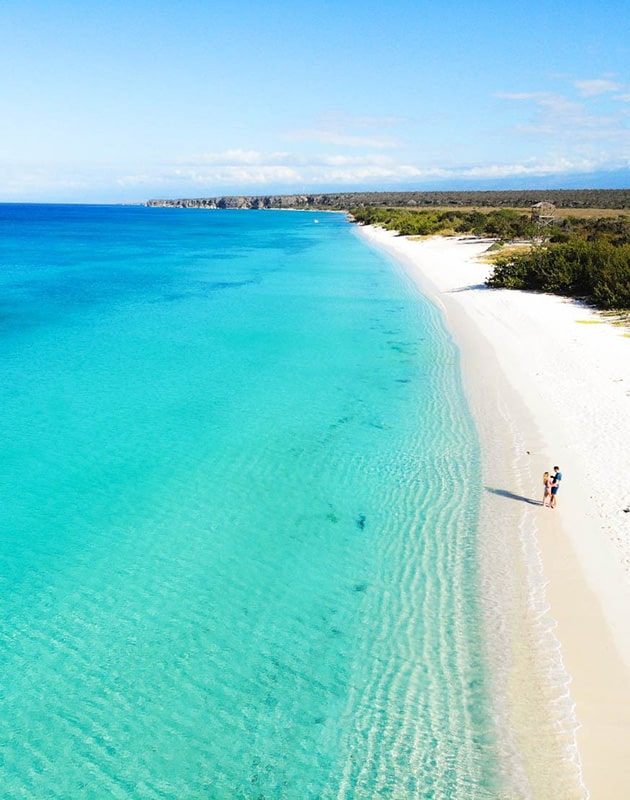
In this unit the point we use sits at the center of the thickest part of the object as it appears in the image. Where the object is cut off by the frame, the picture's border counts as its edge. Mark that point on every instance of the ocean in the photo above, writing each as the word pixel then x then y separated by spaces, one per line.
pixel 240 492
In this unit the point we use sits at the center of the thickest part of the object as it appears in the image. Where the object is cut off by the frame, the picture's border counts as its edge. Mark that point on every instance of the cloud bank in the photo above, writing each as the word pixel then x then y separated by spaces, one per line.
pixel 582 127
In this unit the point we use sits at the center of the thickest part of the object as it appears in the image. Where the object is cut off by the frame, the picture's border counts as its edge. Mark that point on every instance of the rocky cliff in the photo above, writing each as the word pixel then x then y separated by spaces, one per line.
pixel 561 198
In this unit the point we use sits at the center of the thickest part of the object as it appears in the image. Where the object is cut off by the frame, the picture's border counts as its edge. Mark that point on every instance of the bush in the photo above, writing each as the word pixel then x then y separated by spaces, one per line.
pixel 597 271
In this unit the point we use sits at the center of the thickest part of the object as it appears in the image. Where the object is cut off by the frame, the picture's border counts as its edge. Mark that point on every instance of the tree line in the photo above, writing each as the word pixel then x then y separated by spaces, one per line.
pixel 504 223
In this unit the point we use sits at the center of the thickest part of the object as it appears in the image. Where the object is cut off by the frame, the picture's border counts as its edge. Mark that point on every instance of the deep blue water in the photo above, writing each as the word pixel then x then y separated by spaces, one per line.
pixel 240 488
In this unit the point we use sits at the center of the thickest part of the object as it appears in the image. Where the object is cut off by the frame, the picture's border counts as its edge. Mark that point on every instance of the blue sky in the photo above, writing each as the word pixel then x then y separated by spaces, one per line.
pixel 122 101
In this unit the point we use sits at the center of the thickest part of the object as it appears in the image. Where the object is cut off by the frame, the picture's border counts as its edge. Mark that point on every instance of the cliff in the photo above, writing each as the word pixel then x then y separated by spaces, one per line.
pixel 343 201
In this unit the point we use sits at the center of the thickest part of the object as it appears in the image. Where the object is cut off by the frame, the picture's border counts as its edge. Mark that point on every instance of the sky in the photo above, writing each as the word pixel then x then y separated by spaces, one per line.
pixel 126 101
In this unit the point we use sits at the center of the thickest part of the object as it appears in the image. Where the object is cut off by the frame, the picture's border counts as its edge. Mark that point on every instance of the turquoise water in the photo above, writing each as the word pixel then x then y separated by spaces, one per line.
pixel 239 488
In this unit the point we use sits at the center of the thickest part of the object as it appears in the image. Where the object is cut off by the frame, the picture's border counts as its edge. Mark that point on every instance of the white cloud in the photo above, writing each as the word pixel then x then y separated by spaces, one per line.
pixel 298 173
pixel 341 121
pixel 256 168
pixel 587 120
pixel 225 174
pixel 557 166
pixel 19 181
pixel 339 171
pixel 338 160
pixel 335 138
pixel 342 171
pixel 236 157
pixel 548 101
pixel 338 129
pixel 596 86
pixel 520 95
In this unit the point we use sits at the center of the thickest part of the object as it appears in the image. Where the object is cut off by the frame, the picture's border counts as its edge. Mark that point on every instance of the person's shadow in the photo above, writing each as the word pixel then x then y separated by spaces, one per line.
pixel 513 496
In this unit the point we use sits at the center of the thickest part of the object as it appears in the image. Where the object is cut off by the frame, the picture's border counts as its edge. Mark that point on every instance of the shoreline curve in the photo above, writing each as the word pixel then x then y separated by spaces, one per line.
pixel 544 390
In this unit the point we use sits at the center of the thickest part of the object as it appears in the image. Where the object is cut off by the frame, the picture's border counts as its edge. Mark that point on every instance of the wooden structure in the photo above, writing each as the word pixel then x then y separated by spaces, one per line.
pixel 543 213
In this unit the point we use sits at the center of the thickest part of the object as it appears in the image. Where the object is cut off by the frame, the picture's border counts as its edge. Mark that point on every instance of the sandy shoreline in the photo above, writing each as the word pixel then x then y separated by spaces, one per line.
pixel 548 383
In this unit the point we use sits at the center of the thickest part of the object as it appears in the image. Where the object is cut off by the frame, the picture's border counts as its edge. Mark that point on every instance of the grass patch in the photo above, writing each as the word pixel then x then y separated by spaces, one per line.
pixel 619 318
pixel 501 250
pixel 558 213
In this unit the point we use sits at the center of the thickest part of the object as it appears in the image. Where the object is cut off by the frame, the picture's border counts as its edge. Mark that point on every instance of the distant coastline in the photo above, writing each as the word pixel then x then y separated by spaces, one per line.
pixel 343 201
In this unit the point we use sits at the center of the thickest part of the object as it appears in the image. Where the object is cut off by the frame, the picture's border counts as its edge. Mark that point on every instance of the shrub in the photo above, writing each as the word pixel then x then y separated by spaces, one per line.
pixel 595 270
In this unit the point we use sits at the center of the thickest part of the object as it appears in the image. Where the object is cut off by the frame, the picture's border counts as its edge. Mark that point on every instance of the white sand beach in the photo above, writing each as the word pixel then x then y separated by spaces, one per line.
pixel 548 381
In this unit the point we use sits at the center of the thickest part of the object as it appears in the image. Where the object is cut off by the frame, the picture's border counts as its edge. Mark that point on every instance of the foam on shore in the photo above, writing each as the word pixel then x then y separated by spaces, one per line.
pixel 545 389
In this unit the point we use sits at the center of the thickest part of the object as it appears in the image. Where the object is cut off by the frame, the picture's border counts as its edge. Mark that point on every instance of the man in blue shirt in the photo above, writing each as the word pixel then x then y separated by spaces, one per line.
pixel 557 477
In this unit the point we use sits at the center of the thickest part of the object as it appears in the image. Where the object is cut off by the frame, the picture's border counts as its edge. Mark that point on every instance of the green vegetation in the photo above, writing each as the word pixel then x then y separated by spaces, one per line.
pixel 596 271
pixel 581 257
pixel 504 223
pixel 582 199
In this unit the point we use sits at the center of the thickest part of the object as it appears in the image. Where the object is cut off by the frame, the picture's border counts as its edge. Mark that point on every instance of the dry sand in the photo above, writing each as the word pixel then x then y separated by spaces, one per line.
pixel 548 381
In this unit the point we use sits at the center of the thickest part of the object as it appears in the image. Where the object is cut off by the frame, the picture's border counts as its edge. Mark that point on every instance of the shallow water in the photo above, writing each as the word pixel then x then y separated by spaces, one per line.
pixel 240 493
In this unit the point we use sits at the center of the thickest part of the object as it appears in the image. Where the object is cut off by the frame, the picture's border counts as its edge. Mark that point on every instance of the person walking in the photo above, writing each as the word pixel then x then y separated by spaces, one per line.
pixel 555 485
pixel 547 481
